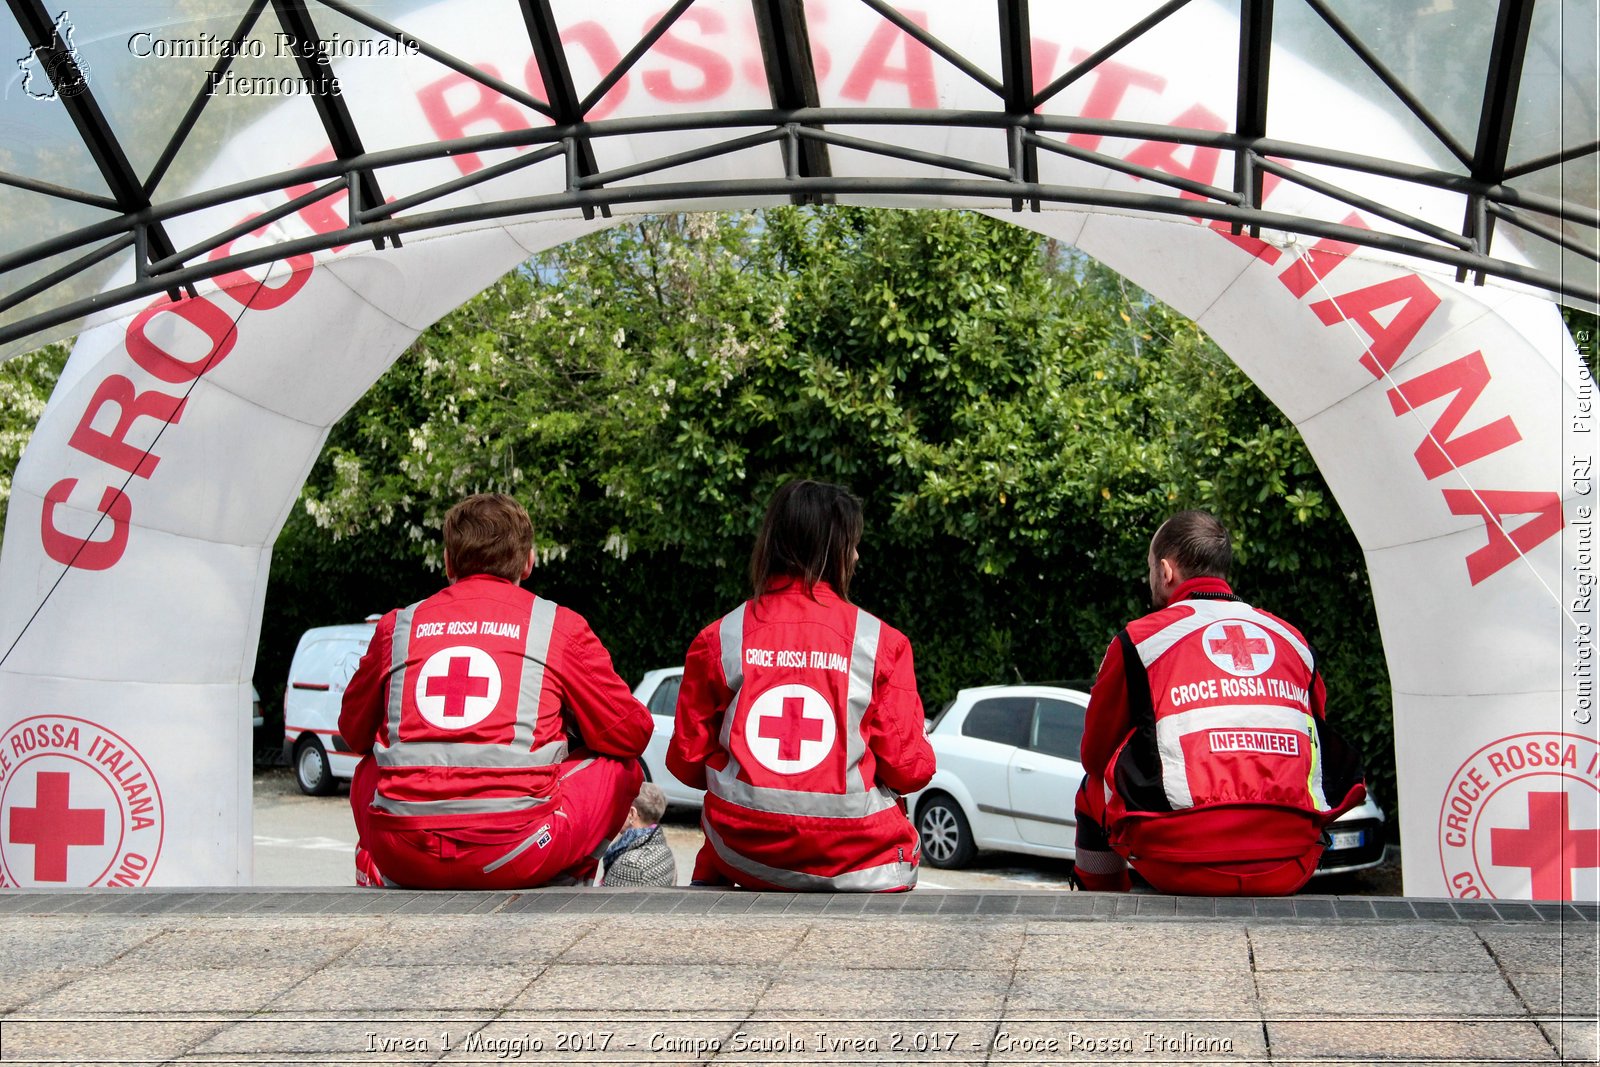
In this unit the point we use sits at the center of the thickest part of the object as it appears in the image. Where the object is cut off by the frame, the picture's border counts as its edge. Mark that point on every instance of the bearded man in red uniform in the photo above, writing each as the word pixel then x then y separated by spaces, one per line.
pixel 499 747
pixel 1210 765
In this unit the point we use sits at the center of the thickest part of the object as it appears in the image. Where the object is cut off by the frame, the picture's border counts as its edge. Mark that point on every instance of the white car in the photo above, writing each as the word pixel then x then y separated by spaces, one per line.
pixel 1008 772
pixel 658 691
pixel 323 662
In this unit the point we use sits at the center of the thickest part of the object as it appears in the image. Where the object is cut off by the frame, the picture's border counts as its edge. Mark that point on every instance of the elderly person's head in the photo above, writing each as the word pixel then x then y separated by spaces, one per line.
pixel 648 806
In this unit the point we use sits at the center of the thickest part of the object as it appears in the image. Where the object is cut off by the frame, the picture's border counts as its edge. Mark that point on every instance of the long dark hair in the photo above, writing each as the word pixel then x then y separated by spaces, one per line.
pixel 810 532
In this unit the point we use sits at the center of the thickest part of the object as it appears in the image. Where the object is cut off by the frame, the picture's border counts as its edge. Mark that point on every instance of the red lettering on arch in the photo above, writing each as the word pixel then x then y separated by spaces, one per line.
pixel 80 552
pixel 1417 302
pixel 1323 258
pixel 1464 380
pixel 113 447
pixel 596 40
pixel 873 66
pixel 1492 506
pixel 197 311
pixel 1107 89
pixel 716 73
pixel 456 106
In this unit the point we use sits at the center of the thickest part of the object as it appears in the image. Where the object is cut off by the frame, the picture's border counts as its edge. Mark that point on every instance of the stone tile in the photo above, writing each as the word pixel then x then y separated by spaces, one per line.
pixel 893 943
pixel 1543 948
pixel 669 1040
pixel 659 988
pixel 820 992
pixel 80 1041
pixel 1574 1041
pixel 522 939
pixel 1112 946
pixel 408 989
pixel 30 944
pixel 304 945
pixel 1570 994
pixel 169 991
pixel 1368 1040
pixel 1092 1041
pixel 16 990
pixel 1407 947
pixel 1142 994
pixel 1299 994
pixel 736 940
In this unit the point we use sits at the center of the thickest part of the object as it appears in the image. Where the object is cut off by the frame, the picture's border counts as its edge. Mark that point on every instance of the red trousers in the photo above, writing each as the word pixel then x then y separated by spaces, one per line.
pixel 1102 867
pixel 559 841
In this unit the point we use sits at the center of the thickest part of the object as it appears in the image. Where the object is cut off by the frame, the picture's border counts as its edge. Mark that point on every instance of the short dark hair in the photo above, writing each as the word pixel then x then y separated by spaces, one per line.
pixel 488 533
pixel 810 532
pixel 1196 543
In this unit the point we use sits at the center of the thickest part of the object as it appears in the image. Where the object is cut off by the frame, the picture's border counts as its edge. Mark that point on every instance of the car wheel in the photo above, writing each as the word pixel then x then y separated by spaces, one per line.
pixel 946 837
pixel 311 770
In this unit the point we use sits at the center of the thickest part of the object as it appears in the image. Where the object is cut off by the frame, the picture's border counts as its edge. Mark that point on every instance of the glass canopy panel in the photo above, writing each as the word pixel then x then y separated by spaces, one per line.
pixel 256 123
pixel 1558 102
pixel 1182 71
pixel 399 97
pixel 1438 49
pixel 26 220
pixel 37 137
pixel 1323 93
pixel 146 60
pixel 863 59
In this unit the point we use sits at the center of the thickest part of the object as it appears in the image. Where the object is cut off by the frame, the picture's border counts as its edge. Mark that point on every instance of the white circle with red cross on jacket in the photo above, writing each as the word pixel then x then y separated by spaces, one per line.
pixel 790 729
pixel 458 687
pixel 1241 648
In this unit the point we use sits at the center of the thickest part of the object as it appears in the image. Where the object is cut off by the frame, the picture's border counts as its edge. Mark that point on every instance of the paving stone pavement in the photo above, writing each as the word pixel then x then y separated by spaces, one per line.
pixel 699 976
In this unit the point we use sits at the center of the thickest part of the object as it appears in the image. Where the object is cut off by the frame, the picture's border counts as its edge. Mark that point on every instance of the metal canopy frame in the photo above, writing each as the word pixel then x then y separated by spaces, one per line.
pixel 806 132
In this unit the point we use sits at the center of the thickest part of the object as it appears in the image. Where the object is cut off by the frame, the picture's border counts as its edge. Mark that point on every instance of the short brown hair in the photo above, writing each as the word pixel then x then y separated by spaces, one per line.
pixel 488 533
pixel 1196 543
pixel 810 532
pixel 651 803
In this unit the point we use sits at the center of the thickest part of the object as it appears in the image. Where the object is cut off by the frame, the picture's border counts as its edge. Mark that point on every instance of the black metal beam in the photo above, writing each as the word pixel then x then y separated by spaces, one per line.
pixel 565 105
pixel 1501 83
pixel 785 38
pixel 316 68
pixel 73 91
pixel 1016 71
pixel 1255 57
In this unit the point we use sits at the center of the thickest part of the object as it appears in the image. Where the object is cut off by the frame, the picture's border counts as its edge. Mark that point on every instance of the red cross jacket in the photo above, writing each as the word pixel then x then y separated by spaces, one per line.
pixel 1207 732
pixel 466 700
pixel 801 720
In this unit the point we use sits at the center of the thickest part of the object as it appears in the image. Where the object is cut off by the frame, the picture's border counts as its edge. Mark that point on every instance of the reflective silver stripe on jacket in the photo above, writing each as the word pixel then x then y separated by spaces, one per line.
pixel 858 801
pixel 459 806
pixel 900 874
pixel 453 754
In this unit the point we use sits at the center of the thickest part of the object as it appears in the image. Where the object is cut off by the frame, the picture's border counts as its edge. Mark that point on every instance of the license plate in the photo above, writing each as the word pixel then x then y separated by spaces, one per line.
pixel 1347 838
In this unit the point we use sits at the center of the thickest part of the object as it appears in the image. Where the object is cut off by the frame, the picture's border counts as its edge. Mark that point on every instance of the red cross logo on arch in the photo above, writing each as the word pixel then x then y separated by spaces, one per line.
pixel 1521 820
pixel 458 687
pixel 790 729
pixel 1239 647
pixel 79 806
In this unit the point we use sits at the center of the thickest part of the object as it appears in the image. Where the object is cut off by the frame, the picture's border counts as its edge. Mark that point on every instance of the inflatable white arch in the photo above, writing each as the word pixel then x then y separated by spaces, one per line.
pixel 1454 424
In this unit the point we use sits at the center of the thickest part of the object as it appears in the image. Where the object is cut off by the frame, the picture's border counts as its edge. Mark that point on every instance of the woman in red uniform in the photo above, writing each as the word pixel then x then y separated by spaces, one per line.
pixel 800 718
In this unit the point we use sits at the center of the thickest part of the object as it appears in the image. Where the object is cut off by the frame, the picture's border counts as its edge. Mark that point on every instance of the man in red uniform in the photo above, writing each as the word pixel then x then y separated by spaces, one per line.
pixel 499 747
pixel 1210 766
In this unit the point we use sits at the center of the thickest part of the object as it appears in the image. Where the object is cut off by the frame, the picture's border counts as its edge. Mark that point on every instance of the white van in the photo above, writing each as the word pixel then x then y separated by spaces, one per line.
pixel 323 663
